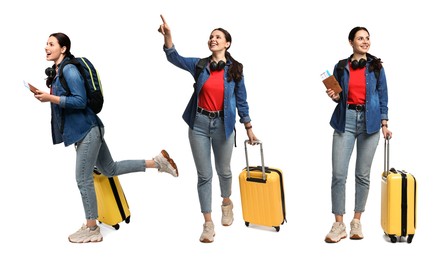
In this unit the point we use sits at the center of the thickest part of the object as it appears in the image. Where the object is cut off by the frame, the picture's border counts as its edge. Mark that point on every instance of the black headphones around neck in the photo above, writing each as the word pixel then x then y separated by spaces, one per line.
pixel 216 66
pixel 50 72
pixel 358 64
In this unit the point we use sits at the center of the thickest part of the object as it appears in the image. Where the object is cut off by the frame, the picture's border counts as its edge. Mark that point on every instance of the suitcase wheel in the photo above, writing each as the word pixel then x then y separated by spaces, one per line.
pixel 277 228
pixel 393 238
pixel 410 237
pixel 127 220
pixel 116 226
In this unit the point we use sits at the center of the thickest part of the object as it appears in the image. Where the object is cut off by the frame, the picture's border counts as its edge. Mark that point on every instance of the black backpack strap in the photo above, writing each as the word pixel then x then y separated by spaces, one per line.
pixel 200 67
pixel 62 78
pixel 75 62
pixel 66 88
pixel 340 68
pixel 377 73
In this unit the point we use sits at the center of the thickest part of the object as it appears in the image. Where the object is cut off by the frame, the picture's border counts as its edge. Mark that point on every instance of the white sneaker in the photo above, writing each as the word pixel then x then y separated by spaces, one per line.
pixel 166 164
pixel 227 214
pixel 356 229
pixel 337 233
pixel 85 235
pixel 208 232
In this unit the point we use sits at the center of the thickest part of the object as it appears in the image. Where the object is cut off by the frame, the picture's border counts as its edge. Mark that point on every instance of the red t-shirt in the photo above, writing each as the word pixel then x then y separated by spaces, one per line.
pixel 357 86
pixel 211 97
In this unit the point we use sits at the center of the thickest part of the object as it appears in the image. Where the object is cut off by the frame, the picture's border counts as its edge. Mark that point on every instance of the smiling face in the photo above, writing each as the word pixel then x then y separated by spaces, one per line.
pixel 54 51
pixel 361 42
pixel 218 42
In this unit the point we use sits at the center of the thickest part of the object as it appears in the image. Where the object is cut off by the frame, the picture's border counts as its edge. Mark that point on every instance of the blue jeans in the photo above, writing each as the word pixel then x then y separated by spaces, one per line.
pixel 207 134
pixel 343 144
pixel 93 151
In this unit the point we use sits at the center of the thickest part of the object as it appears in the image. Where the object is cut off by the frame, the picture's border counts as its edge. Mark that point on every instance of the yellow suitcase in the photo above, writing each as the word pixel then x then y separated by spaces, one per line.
pixel 262 194
pixel 113 207
pixel 398 201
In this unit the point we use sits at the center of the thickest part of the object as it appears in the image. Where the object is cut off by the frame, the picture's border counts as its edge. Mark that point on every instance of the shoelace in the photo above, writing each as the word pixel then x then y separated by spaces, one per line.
pixel 337 228
pixel 355 225
pixel 164 166
pixel 226 211
pixel 207 228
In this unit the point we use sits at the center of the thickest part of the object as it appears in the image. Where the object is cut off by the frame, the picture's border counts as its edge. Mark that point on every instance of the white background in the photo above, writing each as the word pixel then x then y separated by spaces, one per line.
pixel 284 46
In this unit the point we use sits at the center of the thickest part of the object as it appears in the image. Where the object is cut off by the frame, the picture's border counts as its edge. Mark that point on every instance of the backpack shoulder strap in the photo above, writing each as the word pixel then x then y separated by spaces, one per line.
pixel 73 61
pixel 377 73
pixel 340 67
pixel 199 67
pixel 61 76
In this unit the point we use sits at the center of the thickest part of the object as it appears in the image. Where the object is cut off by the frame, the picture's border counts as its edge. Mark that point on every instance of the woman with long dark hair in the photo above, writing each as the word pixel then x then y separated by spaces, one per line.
pixel 74 123
pixel 359 116
pixel 211 116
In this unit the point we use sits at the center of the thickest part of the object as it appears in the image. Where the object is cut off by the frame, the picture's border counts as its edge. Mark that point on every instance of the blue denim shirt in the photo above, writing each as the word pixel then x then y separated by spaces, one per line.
pixel 78 118
pixel 234 92
pixel 376 100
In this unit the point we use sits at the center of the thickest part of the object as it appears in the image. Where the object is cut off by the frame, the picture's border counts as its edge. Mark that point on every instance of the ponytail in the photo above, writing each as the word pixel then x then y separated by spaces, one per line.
pixel 236 69
pixel 376 63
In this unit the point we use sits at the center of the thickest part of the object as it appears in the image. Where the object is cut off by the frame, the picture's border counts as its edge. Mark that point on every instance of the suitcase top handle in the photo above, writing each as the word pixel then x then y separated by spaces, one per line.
pixel 257 142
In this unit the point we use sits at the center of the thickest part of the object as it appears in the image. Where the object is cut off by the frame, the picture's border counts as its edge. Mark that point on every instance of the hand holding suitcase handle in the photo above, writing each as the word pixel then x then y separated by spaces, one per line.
pixel 262 157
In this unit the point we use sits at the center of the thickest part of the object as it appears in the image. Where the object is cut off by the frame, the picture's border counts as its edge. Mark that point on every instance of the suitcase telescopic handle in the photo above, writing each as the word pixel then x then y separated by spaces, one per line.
pixel 257 142
pixel 386 155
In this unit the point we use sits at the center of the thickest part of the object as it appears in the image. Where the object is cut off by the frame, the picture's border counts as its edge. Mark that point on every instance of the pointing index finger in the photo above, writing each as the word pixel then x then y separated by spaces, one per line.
pixel 163 19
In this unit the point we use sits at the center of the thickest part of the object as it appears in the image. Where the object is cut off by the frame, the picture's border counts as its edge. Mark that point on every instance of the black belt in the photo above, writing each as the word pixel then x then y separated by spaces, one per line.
pixel 211 114
pixel 358 108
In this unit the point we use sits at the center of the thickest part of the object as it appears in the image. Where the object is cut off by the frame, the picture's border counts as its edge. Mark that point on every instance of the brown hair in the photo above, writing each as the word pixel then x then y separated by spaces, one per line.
pixel 236 69
pixel 64 41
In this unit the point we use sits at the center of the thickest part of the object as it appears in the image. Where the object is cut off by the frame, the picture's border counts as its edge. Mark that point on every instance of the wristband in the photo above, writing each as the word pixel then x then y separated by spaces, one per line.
pixel 384 125
pixel 248 127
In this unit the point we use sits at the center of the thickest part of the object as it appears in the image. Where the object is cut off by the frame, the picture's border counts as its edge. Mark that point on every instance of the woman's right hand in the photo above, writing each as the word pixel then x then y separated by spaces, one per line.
pixel 333 95
pixel 46 97
pixel 164 29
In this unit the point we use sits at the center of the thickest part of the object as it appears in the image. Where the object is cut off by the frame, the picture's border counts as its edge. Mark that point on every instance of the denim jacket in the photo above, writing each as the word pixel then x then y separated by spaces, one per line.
pixel 71 120
pixel 234 92
pixel 376 100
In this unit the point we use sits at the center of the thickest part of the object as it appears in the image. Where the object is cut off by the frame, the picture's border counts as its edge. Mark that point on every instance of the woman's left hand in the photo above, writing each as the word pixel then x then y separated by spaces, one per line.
pixel 251 136
pixel 386 132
